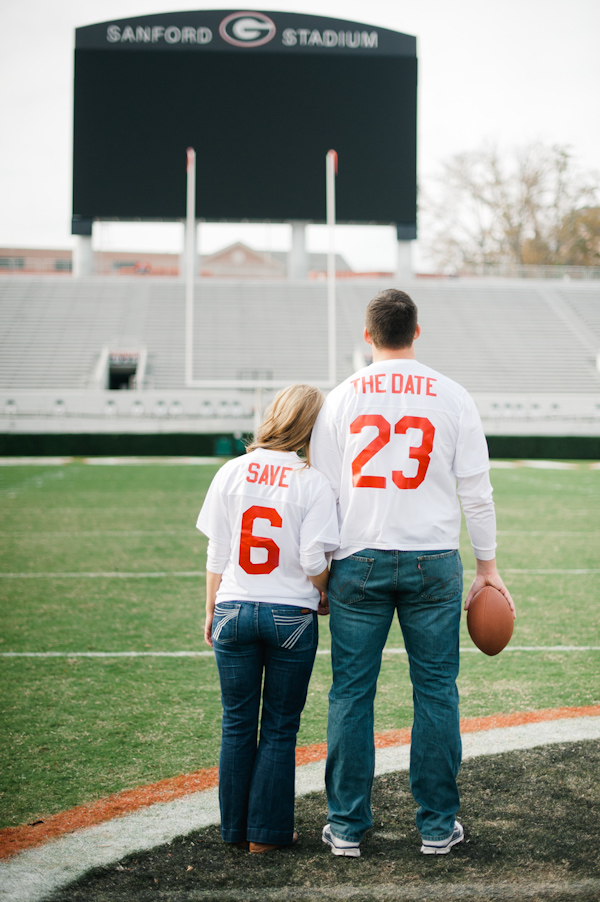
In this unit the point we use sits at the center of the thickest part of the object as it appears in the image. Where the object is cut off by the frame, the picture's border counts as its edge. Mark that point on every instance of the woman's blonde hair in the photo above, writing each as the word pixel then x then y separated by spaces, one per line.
pixel 289 420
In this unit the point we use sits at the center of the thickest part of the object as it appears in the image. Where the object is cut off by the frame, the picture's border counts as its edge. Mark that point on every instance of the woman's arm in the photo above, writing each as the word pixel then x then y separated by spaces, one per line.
pixel 320 582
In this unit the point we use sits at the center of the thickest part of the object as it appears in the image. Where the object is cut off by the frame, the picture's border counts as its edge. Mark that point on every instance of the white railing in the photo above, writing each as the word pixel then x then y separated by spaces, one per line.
pixel 74 410
pixel 529 271
pixel 240 411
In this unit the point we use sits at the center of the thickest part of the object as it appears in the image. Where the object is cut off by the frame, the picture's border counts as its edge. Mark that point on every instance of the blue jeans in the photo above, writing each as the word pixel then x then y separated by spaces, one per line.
pixel 425 588
pixel 257 782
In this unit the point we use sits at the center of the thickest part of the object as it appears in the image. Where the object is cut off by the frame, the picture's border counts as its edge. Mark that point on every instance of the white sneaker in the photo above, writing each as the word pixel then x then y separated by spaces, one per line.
pixel 340 846
pixel 443 846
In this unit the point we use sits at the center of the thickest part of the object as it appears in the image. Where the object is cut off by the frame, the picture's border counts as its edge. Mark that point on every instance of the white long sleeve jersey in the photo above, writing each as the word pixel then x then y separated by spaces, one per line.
pixel 269 520
pixel 399 442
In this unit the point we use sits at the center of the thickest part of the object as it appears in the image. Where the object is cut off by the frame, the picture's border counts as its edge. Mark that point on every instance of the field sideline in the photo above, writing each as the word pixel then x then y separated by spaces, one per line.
pixel 106 684
pixel 88 842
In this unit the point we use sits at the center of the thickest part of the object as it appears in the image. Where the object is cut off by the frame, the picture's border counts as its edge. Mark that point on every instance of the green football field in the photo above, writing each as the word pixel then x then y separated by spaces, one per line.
pixel 106 559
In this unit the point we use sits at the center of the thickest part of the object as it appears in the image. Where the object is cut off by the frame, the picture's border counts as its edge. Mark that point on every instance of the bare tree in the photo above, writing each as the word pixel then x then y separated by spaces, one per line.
pixel 579 238
pixel 533 206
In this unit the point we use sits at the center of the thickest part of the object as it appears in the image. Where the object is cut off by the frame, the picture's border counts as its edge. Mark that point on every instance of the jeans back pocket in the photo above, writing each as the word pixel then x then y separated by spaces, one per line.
pixel 295 628
pixel 441 574
pixel 225 621
pixel 348 578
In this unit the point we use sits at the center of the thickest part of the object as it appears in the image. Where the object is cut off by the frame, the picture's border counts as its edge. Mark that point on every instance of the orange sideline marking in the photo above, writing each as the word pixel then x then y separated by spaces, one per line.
pixel 16 839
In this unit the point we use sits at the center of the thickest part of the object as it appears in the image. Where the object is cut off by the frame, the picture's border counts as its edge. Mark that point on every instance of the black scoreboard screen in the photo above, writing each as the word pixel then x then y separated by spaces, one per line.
pixel 261 97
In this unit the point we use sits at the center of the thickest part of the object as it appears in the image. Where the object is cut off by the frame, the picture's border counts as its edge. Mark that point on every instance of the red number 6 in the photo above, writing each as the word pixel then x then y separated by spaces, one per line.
pixel 248 540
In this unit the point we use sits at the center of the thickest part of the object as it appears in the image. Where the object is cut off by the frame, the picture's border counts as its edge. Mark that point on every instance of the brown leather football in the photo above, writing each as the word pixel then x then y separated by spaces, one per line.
pixel 490 621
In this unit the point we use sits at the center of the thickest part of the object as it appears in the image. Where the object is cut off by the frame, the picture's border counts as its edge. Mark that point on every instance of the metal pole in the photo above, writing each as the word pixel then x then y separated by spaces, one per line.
pixel 190 263
pixel 331 172
pixel 257 409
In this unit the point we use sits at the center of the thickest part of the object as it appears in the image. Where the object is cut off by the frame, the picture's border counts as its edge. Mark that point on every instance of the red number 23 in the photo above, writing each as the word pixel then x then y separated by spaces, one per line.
pixel 421 452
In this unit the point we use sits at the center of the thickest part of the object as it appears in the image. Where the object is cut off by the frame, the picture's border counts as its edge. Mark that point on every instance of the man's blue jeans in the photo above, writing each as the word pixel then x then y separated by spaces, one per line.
pixel 425 588
pixel 257 782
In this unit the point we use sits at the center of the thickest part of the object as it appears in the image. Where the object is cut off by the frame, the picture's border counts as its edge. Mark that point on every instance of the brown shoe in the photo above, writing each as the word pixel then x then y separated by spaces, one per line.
pixel 257 848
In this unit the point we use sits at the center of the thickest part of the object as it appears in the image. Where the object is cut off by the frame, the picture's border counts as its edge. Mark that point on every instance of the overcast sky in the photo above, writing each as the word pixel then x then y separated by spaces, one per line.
pixel 509 71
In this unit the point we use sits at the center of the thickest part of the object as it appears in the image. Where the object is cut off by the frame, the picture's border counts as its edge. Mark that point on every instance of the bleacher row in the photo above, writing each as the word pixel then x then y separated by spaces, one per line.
pixel 147 404
pixel 509 339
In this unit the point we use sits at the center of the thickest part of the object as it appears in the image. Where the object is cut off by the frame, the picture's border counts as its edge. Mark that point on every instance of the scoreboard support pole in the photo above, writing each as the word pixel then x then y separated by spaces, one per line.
pixel 83 257
pixel 331 172
pixel 190 264
pixel 297 259
pixel 404 265
pixel 405 234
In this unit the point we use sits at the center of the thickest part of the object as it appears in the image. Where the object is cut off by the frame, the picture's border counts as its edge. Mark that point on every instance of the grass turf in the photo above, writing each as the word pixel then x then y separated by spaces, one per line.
pixel 75 729
pixel 531 831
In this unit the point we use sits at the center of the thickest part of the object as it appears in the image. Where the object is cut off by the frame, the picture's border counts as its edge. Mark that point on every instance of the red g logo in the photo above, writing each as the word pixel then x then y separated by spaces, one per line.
pixel 247 29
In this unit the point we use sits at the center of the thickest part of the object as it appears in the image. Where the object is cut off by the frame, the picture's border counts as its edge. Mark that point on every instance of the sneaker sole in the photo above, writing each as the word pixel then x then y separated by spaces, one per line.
pixel 346 853
pixel 432 850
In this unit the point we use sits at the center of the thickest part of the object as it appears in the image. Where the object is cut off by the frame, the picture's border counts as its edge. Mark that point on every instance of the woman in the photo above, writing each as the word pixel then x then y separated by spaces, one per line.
pixel 270 517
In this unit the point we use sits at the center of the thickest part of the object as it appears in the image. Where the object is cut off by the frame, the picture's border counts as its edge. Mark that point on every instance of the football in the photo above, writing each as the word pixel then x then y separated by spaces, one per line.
pixel 490 621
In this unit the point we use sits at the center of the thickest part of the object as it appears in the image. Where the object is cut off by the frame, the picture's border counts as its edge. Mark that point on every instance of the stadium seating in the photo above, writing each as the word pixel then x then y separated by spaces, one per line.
pixel 523 345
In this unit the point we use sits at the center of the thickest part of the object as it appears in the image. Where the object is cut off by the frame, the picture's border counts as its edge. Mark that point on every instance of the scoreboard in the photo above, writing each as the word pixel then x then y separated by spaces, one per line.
pixel 261 97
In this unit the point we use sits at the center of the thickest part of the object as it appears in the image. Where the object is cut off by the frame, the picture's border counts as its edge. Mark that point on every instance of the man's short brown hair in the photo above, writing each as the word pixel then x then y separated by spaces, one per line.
pixel 391 319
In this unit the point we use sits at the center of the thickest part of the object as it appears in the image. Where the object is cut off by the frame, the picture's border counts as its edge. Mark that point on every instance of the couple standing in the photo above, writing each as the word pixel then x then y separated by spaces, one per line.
pixel 388 455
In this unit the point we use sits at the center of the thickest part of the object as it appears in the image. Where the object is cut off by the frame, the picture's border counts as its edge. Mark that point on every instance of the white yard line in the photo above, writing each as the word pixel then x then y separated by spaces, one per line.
pixel 195 461
pixel 538 464
pixel 151 461
pixel 576 572
pixel 472 648
pixel 109 461
pixel 35 461
pixel 540 532
pixel 106 654
pixel 534 570
pixel 191 530
pixel 116 574
pixel 34 874
pixel 209 654
pixel 193 574
pixel 543 465
pixel 118 533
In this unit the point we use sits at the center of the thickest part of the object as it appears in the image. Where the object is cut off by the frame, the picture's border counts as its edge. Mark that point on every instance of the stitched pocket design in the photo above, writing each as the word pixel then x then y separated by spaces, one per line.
pixel 298 623
pixel 225 624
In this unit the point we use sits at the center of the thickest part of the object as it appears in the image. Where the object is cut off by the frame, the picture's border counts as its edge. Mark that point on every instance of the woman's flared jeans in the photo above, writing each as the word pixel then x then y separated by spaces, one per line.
pixel 257 781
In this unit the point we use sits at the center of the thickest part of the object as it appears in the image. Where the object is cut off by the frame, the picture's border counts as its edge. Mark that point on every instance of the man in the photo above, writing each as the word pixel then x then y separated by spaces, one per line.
pixel 400 443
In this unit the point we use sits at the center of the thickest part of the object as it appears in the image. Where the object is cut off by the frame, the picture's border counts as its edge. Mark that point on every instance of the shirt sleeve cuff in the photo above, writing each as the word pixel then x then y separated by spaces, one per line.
pixel 313 562
pixel 217 556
